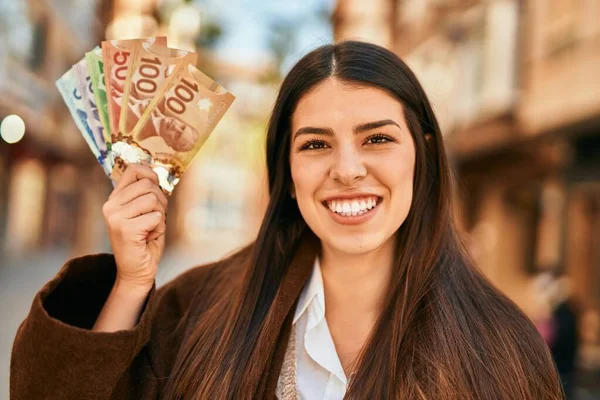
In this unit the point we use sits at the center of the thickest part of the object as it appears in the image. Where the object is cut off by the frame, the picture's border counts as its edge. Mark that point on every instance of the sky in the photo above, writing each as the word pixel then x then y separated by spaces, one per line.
pixel 246 26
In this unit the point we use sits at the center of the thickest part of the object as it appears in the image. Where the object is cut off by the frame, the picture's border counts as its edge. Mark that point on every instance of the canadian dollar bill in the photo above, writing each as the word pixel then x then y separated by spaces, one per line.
pixel 86 90
pixel 96 72
pixel 151 65
pixel 115 55
pixel 175 125
pixel 138 101
pixel 69 89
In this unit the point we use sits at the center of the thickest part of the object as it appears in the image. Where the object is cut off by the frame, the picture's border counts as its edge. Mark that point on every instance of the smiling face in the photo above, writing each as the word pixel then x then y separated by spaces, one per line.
pixel 352 161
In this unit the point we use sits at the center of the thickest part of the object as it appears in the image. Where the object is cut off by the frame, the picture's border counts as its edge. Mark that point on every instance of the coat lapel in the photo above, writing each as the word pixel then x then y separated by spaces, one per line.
pixel 273 339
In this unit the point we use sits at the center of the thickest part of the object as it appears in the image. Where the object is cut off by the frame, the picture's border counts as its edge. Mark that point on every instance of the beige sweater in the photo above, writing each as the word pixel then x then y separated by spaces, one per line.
pixel 286 385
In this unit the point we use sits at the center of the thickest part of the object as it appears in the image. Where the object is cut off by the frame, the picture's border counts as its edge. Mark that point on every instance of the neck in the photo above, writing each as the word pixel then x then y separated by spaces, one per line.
pixel 356 284
pixel 355 288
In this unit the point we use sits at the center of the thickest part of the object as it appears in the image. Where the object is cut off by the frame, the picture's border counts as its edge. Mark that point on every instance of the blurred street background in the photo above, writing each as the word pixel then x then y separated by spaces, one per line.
pixel 515 85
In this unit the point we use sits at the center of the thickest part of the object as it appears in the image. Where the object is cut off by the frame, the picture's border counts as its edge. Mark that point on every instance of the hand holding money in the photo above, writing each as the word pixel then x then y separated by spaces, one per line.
pixel 135 214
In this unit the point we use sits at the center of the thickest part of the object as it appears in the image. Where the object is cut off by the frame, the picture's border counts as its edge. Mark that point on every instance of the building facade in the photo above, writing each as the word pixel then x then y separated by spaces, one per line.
pixel 50 188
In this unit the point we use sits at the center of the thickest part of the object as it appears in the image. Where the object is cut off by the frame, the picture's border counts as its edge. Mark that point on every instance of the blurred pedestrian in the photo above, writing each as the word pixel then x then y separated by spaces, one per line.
pixel 559 328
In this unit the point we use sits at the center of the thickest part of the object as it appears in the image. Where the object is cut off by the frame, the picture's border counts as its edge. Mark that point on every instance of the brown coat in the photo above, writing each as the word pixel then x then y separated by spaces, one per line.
pixel 57 356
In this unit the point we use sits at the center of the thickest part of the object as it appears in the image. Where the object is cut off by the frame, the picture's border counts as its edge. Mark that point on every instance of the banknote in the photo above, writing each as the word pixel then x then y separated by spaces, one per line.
pixel 84 84
pixel 96 72
pixel 175 125
pixel 151 65
pixel 68 87
pixel 116 58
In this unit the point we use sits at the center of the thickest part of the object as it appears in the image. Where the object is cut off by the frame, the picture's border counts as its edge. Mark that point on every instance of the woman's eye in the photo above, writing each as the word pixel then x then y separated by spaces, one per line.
pixel 379 138
pixel 314 145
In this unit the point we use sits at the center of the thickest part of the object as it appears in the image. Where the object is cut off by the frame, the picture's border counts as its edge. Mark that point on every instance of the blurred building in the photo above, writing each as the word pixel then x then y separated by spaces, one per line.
pixel 514 85
pixel 223 195
pixel 50 186
pixel 52 189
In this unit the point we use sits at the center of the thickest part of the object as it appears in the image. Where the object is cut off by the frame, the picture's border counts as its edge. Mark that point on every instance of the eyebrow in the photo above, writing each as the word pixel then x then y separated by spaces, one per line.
pixel 357 129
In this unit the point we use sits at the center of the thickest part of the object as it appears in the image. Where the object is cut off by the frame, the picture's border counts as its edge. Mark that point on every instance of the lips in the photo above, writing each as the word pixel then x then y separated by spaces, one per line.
pixel 352 206
pixel 353 218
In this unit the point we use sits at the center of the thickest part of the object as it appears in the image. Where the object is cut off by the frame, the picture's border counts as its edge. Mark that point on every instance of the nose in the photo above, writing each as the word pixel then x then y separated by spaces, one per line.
pixel 348 166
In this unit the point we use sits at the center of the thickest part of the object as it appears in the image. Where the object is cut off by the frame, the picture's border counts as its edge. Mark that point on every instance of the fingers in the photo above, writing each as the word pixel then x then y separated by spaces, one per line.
pixel 149 226
pixel 140 188
pixel 133 173
pixel 160 230
pixel 144 204
pixel 137 206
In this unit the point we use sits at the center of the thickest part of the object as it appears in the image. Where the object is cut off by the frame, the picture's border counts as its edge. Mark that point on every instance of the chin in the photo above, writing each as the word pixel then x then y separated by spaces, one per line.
pixel 354 244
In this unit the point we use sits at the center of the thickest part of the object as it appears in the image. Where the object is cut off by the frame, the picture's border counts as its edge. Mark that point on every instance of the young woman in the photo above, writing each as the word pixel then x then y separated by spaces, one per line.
pixel 356 287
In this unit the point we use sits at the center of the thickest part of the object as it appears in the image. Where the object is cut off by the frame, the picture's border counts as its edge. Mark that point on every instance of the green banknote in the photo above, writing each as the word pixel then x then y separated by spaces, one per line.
pixel 96 71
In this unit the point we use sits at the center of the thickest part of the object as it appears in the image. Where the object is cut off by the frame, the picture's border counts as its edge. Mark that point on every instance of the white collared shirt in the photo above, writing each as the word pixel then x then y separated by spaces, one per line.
pixel 319 372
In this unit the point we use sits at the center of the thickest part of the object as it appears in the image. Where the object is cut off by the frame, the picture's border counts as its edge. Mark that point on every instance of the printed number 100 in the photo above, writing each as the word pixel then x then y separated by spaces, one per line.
pixel 183 93
pixel 149 71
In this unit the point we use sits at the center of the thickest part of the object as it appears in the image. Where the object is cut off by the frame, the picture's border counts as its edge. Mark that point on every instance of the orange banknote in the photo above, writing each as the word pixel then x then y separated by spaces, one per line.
pixel 116 55
pixel 175 125
pixel 151 65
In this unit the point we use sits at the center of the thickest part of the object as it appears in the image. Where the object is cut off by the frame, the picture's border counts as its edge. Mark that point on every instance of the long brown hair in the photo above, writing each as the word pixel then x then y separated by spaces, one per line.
pixel 445 332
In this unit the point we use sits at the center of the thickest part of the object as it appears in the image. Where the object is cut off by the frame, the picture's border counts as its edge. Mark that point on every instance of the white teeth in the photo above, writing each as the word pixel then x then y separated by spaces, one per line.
pixel 352 208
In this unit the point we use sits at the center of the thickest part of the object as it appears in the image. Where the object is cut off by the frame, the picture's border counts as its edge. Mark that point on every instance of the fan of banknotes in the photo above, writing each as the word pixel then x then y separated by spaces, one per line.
pixel 139 101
